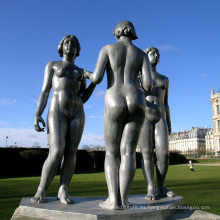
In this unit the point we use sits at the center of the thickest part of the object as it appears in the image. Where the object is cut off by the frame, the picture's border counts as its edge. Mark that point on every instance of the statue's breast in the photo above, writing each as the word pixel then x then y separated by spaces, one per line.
pixel 160 82
pixel 69 71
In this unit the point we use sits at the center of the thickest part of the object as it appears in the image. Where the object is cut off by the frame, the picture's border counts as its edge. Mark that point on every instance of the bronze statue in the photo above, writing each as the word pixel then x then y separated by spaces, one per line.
pixel 66 119
pixel 124 110
pixel 156 129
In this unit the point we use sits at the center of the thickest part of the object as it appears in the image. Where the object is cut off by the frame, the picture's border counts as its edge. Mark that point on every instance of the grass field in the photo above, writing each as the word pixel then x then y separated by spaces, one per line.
pixel 199 188
pixel 205 161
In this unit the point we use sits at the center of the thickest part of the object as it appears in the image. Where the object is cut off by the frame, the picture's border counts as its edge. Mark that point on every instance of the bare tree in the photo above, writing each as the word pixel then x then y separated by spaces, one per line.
pixel 36 145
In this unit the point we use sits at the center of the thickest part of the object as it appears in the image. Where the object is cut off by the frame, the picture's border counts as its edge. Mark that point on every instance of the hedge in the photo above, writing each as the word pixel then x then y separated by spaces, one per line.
pixel 29 161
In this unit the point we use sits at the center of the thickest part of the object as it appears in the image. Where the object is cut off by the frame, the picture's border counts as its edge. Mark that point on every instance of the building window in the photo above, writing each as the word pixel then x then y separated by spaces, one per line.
pixel 218 125
pixel 218 109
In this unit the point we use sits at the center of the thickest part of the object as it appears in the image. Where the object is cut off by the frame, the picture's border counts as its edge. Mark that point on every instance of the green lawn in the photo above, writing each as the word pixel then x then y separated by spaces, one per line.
pixel 205 161
pixel 199 188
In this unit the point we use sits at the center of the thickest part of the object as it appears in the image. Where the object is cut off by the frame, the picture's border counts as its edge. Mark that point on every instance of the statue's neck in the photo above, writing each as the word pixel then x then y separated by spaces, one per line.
pixel 70 59
pixel 126 40
pixel 153 68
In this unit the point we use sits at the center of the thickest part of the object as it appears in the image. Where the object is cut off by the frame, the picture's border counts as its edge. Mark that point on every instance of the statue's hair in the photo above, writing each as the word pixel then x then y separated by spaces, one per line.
pixel 150 49
pixel 125 28
pixel 60 46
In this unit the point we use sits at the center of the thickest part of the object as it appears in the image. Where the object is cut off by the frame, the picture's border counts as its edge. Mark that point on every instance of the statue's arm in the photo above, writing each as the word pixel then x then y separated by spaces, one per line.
pixel 42 101
pixel 147 83
pixel 97 76
pixel 86 92
pixel 167 107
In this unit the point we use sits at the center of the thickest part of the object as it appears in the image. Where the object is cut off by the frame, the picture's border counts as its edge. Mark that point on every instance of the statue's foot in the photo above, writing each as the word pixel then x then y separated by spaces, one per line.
pixel 151 193
pixel 170 194
pixel 151 197
pixel 64 198
pixel 125 205
pixel 39 196
pixel 107 204
pixel 164 192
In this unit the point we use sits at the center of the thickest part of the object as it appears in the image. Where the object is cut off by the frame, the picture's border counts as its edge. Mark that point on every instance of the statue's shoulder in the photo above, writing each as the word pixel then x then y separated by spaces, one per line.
pixel 139 50
pixel 77 68
pixel 51 64
pixel 109 47
pixel 163 77
pixel 166 78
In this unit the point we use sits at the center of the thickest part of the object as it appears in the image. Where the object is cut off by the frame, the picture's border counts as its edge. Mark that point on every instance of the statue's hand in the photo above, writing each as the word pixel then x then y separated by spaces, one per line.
pixel 37 120
pixel 86 74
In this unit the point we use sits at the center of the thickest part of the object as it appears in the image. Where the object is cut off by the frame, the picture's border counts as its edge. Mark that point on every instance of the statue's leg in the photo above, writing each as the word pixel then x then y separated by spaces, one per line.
pixel 112 131
pixel 162 153
pixel 146 143
pixel 129 142
pixel 57 128
pixel 74 134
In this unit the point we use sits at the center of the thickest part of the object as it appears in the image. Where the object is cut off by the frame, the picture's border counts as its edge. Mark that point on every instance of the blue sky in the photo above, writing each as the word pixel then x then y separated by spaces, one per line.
pixel 186 33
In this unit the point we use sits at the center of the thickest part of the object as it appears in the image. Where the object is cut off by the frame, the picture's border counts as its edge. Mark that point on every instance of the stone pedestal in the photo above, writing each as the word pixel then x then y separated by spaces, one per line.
pixel 87 208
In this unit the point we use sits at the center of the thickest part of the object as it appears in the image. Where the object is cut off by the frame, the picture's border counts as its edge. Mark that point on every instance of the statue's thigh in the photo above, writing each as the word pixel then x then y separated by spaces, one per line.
pixel 146 139
pixel 161 138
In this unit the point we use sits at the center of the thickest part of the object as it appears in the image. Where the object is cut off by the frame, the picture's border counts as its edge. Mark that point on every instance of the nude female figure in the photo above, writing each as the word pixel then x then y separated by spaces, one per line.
pixel 156 129
pixel 124 110
pixel 66 119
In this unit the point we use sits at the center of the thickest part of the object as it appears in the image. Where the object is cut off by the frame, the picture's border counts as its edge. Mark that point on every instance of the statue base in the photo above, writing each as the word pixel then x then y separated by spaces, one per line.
pixel 88 208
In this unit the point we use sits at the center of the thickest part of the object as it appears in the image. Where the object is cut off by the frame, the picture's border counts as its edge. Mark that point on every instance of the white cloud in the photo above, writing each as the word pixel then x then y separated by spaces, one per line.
pixel 100 138
pixel 167 47
pixel 88 106
pixel 99 116
pixel 33 100
pixel 4 124
pixel 23 122
pixel 27 138
pixel 203 75
pixel 32 135
pixel 92 140
pixel 100 93
pixel 23 137
pixel 7 101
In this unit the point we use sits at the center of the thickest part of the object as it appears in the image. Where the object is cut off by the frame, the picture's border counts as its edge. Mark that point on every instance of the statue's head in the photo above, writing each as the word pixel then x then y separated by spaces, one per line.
pixel 153 55
pixel 76 41
pixel 125 28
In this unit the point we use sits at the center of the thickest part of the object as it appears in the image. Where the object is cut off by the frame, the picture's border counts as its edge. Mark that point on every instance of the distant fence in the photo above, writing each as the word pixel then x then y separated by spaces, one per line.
pixel 29 161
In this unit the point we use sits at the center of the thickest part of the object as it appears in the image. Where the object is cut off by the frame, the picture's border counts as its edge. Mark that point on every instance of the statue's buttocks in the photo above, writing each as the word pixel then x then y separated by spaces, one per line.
pixel 125 100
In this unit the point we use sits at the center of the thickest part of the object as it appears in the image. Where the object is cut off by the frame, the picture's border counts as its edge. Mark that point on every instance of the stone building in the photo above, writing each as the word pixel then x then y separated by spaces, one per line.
pixel 209 139
pixel 200 141
pixel 215 100
pixel 189 143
